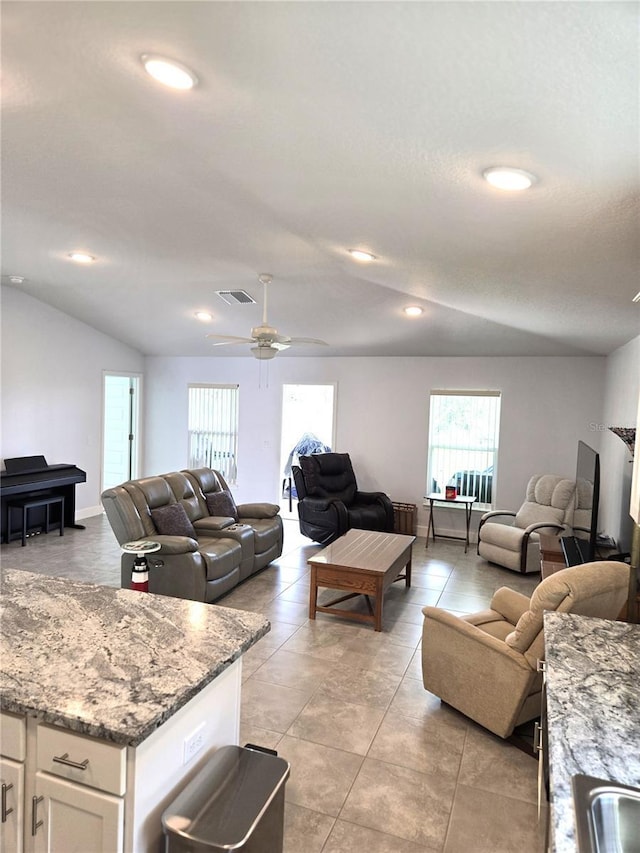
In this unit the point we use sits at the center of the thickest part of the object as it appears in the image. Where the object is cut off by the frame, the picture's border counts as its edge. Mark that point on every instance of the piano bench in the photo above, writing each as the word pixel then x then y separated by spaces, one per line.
pixel 23 506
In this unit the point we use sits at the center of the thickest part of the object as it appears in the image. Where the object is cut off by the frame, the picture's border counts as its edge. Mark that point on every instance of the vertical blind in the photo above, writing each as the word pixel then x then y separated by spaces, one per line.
pixel 464 431
pixel 213 428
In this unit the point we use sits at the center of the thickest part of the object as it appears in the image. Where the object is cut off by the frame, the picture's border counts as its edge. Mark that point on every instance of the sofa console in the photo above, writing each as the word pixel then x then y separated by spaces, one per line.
pixel 208 543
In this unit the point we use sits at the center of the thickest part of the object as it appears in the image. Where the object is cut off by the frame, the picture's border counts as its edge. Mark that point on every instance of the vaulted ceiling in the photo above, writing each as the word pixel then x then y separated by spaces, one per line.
pixel 315 128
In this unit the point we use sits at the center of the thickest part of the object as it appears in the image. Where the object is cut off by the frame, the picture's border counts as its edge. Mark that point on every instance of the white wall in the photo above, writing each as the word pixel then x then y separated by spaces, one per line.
pixel 548 404
pixel 52 369
pixel 620 410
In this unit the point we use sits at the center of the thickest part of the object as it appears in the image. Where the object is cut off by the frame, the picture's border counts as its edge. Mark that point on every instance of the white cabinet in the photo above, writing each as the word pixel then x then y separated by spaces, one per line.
pixel 69 793
pixel 70 818
pixel 13 750
pixel 11 827
pixel 78 802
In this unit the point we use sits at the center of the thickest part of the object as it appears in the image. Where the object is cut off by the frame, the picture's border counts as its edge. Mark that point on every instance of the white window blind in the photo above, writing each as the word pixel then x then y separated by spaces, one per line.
pixel 213 428
pixel 464 429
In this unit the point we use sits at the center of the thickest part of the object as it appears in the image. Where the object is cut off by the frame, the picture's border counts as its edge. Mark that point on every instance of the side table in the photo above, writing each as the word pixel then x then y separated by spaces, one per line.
pixel 140 570
pixel 551 555
pixel 438 497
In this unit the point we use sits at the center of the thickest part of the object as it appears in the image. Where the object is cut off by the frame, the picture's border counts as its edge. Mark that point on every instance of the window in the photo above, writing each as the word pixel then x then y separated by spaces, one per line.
pixel 464 428
pixel 213 428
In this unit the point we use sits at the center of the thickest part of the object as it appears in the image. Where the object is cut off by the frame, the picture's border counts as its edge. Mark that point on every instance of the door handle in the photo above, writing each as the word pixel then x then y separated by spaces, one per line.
pixel 5 811
pixel 35 823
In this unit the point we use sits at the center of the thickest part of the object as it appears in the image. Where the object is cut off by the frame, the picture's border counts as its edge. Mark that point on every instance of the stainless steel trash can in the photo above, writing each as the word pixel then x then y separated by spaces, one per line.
pixel 236 802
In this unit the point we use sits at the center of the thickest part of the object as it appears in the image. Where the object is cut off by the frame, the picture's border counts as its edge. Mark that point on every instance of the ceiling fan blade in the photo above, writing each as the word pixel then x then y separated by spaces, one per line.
pixel 308 341
pixel 221 340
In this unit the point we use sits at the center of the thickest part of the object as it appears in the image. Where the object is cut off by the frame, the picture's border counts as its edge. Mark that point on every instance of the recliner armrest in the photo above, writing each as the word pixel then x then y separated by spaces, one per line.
pixel 325 513
pixel 257 510
pixel 479 644
pixel 377 498
pixel 494 513
pixel 370 497
pixel 173 545
pixel 532 528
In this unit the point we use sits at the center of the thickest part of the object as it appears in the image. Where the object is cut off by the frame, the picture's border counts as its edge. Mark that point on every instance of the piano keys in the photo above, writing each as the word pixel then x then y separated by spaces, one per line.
pixel 31 476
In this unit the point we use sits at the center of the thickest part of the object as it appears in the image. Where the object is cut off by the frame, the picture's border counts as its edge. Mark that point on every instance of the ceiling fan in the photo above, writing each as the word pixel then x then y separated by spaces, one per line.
pixel 268 342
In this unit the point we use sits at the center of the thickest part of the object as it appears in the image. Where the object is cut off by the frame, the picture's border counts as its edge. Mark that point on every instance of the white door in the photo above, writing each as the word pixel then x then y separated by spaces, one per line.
pixel 120 429
pixel 76 819
pixel 12 774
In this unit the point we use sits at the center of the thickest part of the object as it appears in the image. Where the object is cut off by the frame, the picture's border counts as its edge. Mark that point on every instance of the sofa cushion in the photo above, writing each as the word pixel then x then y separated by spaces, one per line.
pixel 222 503
pixel 172 520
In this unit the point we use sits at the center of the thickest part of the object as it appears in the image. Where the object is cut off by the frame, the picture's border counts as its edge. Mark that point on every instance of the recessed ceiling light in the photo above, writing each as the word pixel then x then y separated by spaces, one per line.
pixel 636 298
pixel 81 257
pixel 360 255
pixel 204 316
pixel 413 311
pixel 169 72
pixel 16 279
pixel 506 178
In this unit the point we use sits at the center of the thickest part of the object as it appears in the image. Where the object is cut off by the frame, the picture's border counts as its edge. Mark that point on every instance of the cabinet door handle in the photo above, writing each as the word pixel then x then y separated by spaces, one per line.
pixel 5 811
pixel 64 759
pixel 541 665
pixel 35 823
pixel 537 737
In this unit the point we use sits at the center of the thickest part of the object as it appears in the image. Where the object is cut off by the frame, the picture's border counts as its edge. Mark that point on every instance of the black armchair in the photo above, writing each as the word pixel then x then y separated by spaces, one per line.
pixel 329 502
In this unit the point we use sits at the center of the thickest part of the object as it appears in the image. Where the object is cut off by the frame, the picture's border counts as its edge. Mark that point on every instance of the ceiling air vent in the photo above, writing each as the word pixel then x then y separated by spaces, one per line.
pixel 235 297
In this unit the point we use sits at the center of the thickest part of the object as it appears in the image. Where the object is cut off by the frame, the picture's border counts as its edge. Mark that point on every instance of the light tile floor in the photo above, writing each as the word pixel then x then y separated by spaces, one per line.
pixel 377 763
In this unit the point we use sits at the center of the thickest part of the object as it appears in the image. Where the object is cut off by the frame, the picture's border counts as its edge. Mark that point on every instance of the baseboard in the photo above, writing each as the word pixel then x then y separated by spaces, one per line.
pixel 88 512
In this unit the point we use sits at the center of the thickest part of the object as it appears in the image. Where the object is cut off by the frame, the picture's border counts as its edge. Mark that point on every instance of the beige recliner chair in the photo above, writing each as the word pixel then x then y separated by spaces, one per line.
pixel 484 664
pixel 511 539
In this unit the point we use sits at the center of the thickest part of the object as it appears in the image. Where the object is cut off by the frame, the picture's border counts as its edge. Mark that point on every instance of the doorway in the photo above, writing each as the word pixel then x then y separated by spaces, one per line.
pixel 121 419
pixel 307 409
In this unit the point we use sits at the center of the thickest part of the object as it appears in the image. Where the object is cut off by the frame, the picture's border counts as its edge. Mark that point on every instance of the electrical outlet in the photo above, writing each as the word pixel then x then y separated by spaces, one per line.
pixel 193 744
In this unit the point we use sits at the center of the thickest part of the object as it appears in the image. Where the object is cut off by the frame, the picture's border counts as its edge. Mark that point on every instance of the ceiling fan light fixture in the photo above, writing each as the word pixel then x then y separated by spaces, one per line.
pixel 361 255
pixel 413 310
pixel 264 353
pixel 169 72
pixel 81 257
pixel 509 178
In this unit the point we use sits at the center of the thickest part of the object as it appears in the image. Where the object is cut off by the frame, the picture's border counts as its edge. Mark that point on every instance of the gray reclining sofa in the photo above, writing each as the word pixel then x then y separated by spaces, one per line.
pixel 208 544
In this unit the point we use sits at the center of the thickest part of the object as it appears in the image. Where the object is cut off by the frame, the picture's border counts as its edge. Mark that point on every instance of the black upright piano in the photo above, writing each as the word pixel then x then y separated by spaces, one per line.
pixel 30 476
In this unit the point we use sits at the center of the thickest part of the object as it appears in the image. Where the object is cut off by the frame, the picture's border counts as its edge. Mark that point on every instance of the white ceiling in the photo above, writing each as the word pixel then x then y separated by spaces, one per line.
pixel 317 127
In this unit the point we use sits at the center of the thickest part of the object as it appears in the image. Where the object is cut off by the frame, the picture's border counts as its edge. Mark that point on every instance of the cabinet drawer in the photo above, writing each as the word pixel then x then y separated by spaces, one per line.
pixel 13 736
pixel 104 764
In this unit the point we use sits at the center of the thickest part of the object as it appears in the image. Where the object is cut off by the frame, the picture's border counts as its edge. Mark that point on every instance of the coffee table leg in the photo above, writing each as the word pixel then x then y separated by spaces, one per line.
pixel 313 593
pixel 407 572
pixel 378 611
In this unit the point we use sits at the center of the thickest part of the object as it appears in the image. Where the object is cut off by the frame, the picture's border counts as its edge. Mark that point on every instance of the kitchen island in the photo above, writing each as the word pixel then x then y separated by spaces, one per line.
pixel 111 701
pixel 593 710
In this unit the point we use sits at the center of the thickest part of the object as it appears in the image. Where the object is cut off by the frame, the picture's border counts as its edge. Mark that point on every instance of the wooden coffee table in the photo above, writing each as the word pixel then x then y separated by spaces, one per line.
pixel 361 562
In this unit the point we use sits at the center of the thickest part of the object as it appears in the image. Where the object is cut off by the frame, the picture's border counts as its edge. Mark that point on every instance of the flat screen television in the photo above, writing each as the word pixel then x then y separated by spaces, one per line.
pixel 585 519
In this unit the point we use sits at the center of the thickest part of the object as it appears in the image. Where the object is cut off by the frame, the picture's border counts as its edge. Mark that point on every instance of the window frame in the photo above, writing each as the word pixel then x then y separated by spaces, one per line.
pixel 488 445
pixel 228 427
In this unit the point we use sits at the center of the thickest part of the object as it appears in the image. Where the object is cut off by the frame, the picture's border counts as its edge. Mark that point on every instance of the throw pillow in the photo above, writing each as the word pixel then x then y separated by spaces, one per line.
pixel 172 520
pixel 222 503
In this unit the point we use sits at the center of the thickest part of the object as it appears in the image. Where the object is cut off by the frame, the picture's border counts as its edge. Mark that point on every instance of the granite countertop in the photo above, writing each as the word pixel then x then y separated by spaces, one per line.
pixel 107 662
pixel 593 709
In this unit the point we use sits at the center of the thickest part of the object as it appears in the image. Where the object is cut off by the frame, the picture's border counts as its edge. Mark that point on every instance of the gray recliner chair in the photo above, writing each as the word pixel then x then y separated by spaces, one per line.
pixel 512 539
